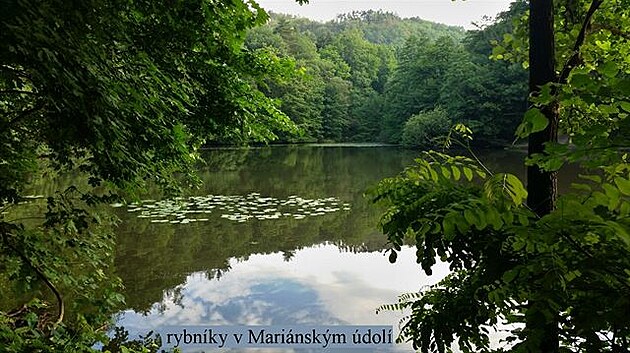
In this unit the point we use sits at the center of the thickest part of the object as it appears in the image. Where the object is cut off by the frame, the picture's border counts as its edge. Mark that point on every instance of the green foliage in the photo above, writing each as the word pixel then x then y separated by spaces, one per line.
pixel 387 28
pixel 487 96
pixel 417 81
pixel 366 74
pixel 118 93
pixel 533 121
pixel 502 255
pixel 123 93
pixel 570 267
pixel 348 64
pixel 25 334
pixel 421 129
pixel 331 98
pixel 492 100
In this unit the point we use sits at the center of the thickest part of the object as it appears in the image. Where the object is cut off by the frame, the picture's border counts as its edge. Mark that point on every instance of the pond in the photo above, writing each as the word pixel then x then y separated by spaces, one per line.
pixel 275 236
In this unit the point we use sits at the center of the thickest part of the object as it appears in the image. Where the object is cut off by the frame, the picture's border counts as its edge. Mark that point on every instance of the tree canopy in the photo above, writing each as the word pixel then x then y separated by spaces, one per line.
pixel 365 74
pixel 125 93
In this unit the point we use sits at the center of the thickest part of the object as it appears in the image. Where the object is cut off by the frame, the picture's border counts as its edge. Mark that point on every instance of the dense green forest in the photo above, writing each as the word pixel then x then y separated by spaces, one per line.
pixel 373 76
pixel 124 94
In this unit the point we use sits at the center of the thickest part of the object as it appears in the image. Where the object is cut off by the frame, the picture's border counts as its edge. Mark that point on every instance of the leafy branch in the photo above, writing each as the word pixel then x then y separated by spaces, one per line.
pixel 16 72
pixel 613 30
pixel 18 91
pixel 574 60
pixel 22 115
pixel 466 133
pixel 621 278
pixel 38 272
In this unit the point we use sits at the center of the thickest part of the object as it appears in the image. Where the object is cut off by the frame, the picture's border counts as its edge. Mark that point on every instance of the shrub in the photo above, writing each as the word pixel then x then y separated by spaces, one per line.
pixel 422 128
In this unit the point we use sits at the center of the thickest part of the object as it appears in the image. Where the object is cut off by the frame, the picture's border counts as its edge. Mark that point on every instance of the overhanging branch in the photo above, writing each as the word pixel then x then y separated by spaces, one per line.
pixel 41 276
pixel 15 71
pixel 23 114
pixel 18 91
pixel 574 60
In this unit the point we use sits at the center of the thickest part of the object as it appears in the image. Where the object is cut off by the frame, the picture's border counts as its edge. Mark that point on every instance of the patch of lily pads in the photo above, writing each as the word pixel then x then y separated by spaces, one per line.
pixel 237 208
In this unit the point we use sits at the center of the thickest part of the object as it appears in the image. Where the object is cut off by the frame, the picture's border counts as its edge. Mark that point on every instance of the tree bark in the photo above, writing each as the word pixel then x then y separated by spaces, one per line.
pixel 542 331
pixel 541 185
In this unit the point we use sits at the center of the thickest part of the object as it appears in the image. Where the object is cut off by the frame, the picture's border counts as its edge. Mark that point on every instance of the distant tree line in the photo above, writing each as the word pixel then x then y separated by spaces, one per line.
pixel 373 76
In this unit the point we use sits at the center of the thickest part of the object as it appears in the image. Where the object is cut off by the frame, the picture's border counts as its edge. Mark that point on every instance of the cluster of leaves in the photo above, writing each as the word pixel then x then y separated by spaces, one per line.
pixel 101 81
pixel 421 129
pixel 26 335
pixel 592 90
pixel 502 255
pixel 66 260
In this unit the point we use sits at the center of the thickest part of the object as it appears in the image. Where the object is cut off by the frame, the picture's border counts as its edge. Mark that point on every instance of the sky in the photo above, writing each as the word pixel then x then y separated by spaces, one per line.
pixel 458 12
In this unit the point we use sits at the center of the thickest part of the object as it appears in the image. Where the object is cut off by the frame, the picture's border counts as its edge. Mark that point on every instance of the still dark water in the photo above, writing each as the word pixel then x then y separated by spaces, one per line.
pixel 275 236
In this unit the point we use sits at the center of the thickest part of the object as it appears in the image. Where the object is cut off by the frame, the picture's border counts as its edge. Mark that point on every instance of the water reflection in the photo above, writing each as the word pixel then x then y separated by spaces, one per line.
pixel 325 269
pixel 320 270
pixel 152 258
pixel 321 285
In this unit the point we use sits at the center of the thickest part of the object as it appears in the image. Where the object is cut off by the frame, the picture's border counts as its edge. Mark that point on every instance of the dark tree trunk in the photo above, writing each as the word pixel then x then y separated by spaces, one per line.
pixel 542 333
pixel 541 185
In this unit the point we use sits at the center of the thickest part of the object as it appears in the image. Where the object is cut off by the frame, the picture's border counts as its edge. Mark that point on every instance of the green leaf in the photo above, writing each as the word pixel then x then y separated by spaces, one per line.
pixel 613 195
pixel 503 185
pixel 600 198
pixel 468 173
pixel 433 173
pixel 482 221
pixel 594 178
pixel 456 172
pixel 461 224
pixel 570 276
pixel 580 80
pixel 522 219
pixel 533 121
pixel 623 86
pixel 537 118
pixel 509 276
pixel 517 191
pixel 620 231
pixel 470 217
pixel 446 172
pixel 448 225
pixel 518 245
pixel 494 218
pixel 609 69
pixel 604 45
pixel 623 185
pixel 581 187
pixel 544 96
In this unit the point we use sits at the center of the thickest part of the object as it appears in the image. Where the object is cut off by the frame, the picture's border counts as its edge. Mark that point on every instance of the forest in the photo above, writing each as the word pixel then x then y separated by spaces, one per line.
pixel 353 81
pixel 110 100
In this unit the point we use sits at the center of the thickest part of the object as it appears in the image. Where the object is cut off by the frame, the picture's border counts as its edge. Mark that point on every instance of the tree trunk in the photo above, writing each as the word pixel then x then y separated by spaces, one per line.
pixel 542 333
pixel 541 185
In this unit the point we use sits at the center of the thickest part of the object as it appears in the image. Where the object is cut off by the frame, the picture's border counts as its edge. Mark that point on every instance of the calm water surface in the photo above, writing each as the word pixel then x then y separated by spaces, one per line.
pixel 276 235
